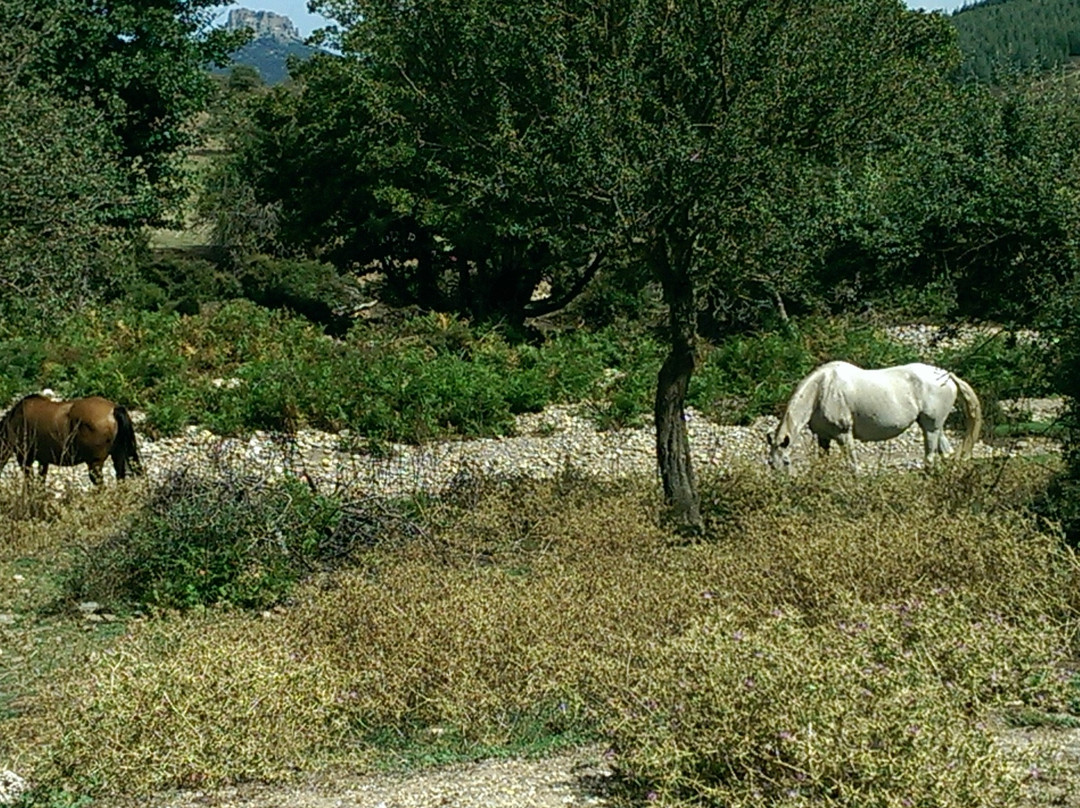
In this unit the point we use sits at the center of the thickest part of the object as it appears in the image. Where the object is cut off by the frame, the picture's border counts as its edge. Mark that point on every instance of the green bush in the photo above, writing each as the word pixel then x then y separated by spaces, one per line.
pixel 201 542
pixel 1005 366
pixel 237 366
pixel 20 363
pixel 747 376
pixel 309 288
pixel 176 282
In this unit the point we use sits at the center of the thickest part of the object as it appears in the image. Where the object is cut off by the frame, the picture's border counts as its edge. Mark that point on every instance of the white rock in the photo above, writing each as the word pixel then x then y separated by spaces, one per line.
pixel 11 787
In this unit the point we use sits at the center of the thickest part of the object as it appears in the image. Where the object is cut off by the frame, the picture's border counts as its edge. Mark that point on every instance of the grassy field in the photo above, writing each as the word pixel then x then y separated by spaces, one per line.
pixel 829 641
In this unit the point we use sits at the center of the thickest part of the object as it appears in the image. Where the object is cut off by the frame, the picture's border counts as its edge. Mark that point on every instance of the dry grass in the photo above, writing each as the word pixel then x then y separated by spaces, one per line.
pixel 532 610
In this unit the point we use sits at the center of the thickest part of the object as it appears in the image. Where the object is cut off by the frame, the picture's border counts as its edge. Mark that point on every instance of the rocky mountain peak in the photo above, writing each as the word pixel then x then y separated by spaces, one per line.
pixel 266 24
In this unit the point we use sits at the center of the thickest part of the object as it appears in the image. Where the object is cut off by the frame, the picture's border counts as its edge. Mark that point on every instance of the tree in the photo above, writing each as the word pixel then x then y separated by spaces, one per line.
pixel 141 65
pixel 469 198
pixel 679 130
pixel 982 211
pixel 59 186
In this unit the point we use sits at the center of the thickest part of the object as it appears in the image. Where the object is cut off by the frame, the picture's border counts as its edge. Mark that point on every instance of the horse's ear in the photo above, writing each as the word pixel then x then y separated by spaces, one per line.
pixel 785 442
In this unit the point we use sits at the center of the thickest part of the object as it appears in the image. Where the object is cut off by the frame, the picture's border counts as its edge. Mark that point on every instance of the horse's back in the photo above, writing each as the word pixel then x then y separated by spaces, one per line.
pixel 67 432
pixel 881 403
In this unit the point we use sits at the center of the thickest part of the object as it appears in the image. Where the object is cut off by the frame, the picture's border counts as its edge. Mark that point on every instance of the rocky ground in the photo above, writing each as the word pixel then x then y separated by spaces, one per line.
pixel 547 443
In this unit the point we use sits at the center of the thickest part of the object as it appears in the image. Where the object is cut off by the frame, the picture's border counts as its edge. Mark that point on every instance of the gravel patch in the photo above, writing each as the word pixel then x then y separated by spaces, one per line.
pixel 931 340
pixel 559 439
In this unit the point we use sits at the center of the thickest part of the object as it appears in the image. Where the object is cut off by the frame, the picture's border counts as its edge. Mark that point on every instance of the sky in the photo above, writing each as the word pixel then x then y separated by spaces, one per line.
pixel 296 10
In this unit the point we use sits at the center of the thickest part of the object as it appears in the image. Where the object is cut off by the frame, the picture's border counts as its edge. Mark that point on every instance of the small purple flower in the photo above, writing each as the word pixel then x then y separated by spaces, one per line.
pixel 652 796
pixel 738 636
pixel 784 735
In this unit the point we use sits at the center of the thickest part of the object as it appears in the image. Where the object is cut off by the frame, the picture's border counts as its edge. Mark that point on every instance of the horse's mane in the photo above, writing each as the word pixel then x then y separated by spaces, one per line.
pixel 809 385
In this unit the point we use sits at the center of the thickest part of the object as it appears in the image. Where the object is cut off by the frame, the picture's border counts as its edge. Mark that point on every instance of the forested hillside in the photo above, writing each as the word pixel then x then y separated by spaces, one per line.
pixel 1003 36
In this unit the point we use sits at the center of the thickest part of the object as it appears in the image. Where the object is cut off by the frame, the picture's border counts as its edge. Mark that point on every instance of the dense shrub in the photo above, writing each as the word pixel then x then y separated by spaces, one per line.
pixel 1062 502
pixel 176 282
pixel 747 376
pixel 203 541
pixel 309 288
pixel 238 366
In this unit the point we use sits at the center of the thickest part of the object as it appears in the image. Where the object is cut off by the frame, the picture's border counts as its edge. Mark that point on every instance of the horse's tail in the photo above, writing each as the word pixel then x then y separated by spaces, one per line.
pixel 124 449
pixel 972 415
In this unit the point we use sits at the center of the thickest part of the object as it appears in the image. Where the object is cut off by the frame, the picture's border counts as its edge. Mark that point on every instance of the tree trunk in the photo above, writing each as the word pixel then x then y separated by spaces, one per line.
pixel 672 442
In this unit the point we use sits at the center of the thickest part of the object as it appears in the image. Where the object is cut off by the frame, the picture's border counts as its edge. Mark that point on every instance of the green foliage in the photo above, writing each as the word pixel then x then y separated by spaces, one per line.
pixel 1062 502
pixel 1007 365
pixel 747 376
pixel 176 282
pixel 60 187
pixel 1020 36
pixel 977 217
pixel 140 66
pixel 236 367
pixel 203 541
pixel 311 288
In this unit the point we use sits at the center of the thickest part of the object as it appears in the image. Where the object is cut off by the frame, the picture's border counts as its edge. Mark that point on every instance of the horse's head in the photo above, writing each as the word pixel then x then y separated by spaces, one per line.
pixel 779 451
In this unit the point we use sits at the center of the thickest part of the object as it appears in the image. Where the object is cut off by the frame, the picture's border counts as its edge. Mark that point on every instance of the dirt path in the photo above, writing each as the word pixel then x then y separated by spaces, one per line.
pixel 1046 759
pixel 575 778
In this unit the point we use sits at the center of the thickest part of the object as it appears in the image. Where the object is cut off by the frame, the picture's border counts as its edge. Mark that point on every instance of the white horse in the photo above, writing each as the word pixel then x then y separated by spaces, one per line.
pixel 841 401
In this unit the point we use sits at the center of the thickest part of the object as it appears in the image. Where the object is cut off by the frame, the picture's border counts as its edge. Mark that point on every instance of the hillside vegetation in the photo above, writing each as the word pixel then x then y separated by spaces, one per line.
pixel 1000 38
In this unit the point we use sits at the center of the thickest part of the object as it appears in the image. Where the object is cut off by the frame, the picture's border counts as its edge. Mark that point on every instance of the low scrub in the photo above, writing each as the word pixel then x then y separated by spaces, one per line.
pixel 830 641
pixel 861 704
pixel 203 541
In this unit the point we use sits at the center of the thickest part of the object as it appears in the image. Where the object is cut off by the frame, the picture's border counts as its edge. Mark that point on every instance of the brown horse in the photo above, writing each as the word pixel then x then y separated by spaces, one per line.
pixel 66 433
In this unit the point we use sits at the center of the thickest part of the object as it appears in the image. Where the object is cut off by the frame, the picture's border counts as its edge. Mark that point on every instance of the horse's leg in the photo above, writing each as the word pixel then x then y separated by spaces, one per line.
pixel 94 467
pixel 847 443
pixel 944 447
pixel 935 444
